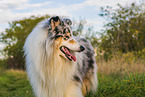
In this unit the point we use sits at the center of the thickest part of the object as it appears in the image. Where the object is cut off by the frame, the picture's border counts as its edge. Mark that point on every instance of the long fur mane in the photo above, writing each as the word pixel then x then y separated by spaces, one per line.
pixel 44 62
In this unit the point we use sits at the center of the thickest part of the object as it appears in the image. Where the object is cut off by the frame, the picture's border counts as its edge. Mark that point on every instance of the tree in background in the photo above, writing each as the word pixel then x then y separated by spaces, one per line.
pixel 125 30
pixel 14 38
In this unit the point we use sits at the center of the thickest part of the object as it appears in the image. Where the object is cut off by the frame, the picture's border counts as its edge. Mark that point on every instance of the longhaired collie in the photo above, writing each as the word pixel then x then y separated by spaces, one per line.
pixel 59 64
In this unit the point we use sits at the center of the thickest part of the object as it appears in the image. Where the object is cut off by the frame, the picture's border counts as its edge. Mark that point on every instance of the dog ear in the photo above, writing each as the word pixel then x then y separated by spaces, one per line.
pixel 67 21
pixel 54 21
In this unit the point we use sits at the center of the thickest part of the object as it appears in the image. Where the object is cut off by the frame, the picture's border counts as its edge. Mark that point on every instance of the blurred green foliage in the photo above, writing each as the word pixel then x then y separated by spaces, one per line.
pixel 3 64
pixel 124 30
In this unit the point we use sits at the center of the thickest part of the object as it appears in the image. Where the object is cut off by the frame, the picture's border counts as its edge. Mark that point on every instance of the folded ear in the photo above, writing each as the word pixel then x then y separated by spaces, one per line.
pixel 54 21
pixel 67 21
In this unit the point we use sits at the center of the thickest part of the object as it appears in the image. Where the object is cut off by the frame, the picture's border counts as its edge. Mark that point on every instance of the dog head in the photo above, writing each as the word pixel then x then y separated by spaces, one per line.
pixel 64 42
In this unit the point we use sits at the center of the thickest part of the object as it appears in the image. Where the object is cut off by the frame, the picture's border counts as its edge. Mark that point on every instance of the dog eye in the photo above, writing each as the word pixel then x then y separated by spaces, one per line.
pixel 66 37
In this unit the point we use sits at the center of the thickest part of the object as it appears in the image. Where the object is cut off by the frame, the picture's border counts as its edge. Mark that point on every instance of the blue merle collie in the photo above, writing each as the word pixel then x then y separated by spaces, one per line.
pixel 59 64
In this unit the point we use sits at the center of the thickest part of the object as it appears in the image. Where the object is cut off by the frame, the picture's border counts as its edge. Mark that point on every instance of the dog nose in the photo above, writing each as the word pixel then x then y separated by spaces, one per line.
pixel 82 48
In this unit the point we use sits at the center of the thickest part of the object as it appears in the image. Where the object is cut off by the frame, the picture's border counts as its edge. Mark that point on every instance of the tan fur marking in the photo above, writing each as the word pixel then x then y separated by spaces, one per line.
pixel 86 86
pixel 58 41
pixel 54 24
pixel 57 23
pixel 72 41
pixel 68 33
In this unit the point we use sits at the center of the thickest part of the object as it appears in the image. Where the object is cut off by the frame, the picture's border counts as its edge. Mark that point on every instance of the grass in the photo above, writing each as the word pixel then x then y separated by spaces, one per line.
pixel 124 64
pixel 14 83
pixel 131 85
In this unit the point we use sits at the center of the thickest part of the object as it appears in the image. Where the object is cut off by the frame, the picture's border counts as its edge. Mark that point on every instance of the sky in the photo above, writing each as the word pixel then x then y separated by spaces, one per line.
pixel 11 10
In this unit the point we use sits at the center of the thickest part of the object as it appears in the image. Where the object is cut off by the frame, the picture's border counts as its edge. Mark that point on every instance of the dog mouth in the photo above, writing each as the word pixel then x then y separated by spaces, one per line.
pixel 68 53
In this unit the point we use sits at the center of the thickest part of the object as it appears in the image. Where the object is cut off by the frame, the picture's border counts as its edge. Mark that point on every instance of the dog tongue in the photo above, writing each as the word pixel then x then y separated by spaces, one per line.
pixel 72 56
